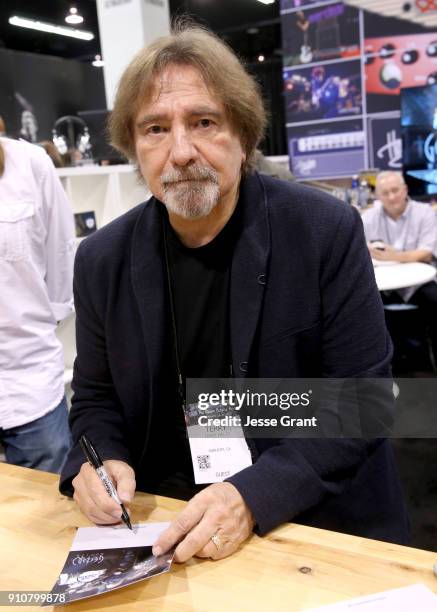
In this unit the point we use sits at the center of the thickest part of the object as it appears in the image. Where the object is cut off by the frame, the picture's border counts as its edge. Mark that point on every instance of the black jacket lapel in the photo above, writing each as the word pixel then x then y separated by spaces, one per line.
pixel 150 288
pixel 249 272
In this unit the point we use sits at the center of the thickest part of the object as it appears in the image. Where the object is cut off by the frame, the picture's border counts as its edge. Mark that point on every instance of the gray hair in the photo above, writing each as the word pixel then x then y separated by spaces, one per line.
pixel 386 174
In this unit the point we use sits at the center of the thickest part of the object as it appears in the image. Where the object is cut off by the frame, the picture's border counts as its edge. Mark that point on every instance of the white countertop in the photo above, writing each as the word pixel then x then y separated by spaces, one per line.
pixel 95 169
pixel 393 275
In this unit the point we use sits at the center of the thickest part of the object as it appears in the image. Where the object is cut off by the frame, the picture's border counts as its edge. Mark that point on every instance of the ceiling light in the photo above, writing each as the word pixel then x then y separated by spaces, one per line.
pixel 98 62
pixel 261 58
pixel 266 1
pixel 50 28
pixel 73 16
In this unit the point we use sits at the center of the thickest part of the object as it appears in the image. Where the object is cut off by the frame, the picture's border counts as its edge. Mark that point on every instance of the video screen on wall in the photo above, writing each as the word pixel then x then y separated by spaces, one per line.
pixel 419 106
pixel 344 70
pixel 323 92
pixel 419 139
pixel 322 33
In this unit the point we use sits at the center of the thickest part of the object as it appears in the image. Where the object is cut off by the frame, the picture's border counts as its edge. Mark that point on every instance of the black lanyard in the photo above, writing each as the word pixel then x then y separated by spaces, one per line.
pixel 181 390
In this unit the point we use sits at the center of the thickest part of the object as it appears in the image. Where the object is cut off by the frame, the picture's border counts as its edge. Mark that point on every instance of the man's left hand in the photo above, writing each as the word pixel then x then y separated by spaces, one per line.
pixel 219 510
pixel 388 254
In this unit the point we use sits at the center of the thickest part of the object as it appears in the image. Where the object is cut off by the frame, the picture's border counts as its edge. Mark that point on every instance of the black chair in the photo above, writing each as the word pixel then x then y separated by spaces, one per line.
pixel 412 346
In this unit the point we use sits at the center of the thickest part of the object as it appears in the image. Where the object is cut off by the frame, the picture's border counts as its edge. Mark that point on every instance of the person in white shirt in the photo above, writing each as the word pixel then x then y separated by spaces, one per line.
pixel 37 243
pixel 399 229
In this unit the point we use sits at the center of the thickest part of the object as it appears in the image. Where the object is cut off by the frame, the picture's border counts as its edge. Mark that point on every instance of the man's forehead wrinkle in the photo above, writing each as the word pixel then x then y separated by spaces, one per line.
pixel 194 103
pixel 174 74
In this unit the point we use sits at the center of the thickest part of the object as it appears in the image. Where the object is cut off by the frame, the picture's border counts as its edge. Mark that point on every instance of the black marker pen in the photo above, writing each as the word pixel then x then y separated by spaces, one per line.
pixel 94 460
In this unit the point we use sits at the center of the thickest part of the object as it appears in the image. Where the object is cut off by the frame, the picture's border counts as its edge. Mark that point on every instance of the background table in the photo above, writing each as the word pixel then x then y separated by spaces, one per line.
pixel 390 275
pixel 293 568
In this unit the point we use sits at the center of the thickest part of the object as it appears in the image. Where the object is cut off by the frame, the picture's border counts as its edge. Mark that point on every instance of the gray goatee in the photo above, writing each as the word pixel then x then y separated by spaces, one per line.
pixel 192 192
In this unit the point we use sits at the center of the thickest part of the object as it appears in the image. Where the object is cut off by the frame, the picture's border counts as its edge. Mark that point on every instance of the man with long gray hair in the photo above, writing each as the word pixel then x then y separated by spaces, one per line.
pixel 223 272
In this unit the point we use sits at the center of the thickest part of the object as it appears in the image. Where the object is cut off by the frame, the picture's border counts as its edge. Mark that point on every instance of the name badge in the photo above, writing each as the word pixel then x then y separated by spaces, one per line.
pixel 218 451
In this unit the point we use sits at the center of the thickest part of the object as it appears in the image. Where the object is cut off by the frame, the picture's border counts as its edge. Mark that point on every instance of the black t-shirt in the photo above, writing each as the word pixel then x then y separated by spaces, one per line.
pixel 200 288
pixel 199 280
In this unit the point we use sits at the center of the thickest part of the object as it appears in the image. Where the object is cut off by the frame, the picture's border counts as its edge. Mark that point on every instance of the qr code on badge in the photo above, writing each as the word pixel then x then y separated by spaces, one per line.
pixel 203 462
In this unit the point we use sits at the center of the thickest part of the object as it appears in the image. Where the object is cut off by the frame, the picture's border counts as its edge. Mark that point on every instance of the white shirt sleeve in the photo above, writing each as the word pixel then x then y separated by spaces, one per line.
pixel 368 219
pixel 60 243
pixel 428 231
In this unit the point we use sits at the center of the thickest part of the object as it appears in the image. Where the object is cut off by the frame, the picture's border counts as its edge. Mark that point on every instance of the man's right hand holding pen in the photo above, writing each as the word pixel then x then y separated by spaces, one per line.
pixel 93 499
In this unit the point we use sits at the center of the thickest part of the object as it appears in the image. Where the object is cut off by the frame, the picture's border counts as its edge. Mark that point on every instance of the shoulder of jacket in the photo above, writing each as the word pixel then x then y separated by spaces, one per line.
pixel 297 198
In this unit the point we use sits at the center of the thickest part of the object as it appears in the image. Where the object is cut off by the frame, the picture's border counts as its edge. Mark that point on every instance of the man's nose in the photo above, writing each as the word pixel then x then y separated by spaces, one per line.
pixel 183 150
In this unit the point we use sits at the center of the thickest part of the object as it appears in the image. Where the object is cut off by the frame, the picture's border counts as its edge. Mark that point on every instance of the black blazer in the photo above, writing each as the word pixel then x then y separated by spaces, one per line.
pixel 303 303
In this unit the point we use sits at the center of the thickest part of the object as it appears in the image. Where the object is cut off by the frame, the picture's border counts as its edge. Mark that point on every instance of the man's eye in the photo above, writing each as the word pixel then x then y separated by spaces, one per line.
pixel 155 129
pixel 205 123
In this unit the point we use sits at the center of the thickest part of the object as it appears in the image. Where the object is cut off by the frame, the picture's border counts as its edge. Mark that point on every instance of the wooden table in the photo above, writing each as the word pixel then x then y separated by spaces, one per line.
pixel 293 568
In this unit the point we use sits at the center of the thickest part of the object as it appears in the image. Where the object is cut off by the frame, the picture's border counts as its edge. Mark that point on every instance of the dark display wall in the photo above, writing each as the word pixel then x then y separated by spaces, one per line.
pixel 37 89
pixel 343 71
pixel 269 76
